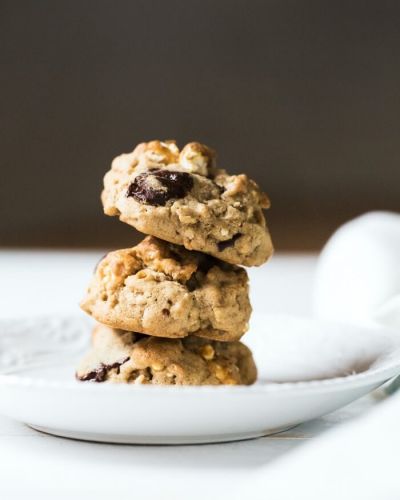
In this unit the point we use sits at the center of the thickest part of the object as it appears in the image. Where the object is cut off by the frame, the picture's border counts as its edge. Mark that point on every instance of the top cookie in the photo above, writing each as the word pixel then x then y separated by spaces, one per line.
pixel 181 197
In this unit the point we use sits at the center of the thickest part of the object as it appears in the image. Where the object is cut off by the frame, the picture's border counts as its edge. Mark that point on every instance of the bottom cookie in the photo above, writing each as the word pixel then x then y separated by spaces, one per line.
pixel 120 356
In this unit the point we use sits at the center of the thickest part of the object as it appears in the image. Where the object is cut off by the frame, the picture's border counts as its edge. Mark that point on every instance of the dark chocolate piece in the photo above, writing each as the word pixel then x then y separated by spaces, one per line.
pixel 100 374
pixel 174 185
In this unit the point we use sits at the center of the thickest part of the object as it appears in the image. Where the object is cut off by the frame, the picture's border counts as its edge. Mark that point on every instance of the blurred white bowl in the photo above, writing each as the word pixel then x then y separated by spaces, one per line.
pixel 358 272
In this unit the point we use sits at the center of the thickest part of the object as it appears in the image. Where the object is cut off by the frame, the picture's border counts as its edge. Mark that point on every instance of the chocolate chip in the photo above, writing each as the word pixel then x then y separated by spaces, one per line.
pixel 228 243
pixel 173 185
pixel 100 373
pixel 97 375
pixel 165 311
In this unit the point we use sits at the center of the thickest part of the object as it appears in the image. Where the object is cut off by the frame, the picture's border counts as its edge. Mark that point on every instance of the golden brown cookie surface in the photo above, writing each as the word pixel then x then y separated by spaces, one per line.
pixel 164 290
pixel 120 356
pixel 181 197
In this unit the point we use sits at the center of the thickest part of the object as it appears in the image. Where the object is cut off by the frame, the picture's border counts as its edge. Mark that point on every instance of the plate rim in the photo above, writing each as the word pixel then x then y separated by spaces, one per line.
pixel 374 375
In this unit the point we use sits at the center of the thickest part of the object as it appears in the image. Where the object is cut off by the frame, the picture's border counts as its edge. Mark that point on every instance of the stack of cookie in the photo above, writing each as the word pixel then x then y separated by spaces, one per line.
pixel 172 309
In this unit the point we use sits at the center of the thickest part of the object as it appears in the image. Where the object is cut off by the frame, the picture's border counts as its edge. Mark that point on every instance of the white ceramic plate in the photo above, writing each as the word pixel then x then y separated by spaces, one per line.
pixel 37 387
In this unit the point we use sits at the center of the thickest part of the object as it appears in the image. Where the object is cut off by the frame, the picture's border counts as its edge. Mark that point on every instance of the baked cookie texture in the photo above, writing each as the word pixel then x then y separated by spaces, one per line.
pixel 181 197
pixel 162 289
pixel 120 356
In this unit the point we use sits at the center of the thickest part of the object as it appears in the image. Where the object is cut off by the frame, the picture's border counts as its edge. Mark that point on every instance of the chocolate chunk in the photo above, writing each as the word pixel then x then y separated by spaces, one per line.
pixel 172 185
pixel 228 243
pixel 100 374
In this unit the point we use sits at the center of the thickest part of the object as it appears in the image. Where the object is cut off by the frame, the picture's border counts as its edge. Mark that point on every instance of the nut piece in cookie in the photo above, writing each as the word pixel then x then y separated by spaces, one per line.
pixel 164 290
pixel 127 357
pixel 183 198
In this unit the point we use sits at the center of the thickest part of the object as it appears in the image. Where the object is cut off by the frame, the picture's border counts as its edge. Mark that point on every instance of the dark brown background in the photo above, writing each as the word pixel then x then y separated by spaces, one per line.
pixel 304 96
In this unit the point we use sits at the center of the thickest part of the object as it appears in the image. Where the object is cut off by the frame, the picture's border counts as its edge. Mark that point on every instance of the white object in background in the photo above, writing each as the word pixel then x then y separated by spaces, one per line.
pixel 358 272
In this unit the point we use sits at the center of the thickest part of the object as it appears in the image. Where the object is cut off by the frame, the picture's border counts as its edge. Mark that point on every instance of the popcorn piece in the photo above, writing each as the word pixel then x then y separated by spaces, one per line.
pixel 197 158
pixel 207 352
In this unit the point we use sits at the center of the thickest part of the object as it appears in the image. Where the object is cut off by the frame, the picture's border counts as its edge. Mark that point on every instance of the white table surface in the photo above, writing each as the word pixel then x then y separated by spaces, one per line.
pixel 35 465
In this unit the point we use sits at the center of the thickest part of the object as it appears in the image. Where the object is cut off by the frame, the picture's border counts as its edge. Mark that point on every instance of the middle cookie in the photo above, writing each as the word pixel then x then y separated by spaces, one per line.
pixel 162 289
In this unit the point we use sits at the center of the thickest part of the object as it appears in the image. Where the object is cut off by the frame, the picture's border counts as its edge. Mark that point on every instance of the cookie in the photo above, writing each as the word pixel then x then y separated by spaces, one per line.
pixel 181 197
pixel 161 289
pixel 127 357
